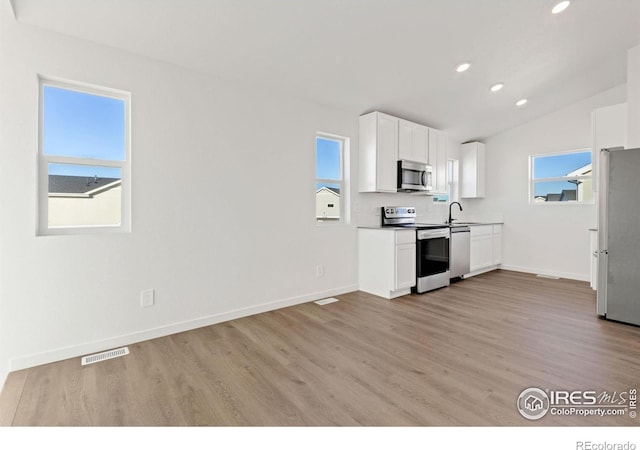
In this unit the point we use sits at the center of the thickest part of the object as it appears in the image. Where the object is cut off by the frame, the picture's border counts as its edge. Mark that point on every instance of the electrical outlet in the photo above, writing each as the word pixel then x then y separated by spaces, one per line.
pixel 319 270
pixel 147 298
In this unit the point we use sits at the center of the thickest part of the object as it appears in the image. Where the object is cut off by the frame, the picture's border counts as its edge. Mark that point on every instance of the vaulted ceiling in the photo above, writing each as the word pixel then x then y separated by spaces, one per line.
pixel 397 56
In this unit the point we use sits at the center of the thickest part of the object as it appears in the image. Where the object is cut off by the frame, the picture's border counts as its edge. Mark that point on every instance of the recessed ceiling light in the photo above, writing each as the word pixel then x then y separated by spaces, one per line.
pixel 560 6
pixel 521 102
pixel 462 67
pixel 496 87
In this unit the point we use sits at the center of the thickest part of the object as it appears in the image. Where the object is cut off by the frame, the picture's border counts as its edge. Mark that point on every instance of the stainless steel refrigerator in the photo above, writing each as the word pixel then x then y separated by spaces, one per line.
pixel 619 235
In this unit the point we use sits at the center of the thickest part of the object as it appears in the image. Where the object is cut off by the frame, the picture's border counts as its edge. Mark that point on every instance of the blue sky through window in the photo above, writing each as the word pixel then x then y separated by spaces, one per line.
pixel 557 166
pixel 81 125
pixel 328 159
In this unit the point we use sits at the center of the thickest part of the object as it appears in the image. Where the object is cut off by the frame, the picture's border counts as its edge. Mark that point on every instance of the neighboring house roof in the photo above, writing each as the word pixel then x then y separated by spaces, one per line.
pixel 584 170
pixel 86 186
pixel 554 197
pixel 567 195
pixel 333 190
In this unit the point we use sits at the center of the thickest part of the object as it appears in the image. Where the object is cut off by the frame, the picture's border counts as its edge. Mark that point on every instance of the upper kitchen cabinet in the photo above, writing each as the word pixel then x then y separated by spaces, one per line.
pixel 413 142
pixel 438 141
pixel 608 130
pixel 473 170
pixel 378 152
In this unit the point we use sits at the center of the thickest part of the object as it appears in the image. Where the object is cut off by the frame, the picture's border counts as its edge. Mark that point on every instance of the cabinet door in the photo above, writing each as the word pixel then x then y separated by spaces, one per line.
pixel 497 245
pixel 405 140
pixel 481 170
pixel 420 144
pixel 387 156
pixel 433 155
pixel 438 142
pixel 405 276
pixel 412 141
pixel 472 170
pixel 440 167
pixel 481 247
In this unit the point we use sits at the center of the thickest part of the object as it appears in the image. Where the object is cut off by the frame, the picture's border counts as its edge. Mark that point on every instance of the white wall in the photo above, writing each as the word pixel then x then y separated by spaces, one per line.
pixel 546 239
pixel 633 98
pixel 206 155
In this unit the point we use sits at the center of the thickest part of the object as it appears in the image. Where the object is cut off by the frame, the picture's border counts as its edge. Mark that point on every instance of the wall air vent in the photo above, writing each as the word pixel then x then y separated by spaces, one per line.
pixel 105 355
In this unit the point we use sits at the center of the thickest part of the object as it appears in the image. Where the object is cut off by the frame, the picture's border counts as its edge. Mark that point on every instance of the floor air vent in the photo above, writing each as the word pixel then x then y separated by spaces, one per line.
pixel 550 277
pixel 105 355
pixel 326 301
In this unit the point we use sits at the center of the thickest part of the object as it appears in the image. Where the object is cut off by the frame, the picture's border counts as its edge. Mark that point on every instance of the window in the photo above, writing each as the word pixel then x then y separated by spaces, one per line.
pixel 452 184
pixel 561 177
pixel 331 195
pixel 84 168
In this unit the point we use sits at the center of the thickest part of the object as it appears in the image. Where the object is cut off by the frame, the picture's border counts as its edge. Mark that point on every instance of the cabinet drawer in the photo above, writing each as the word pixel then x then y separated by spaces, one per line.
pixel 405 237
pixel 481 230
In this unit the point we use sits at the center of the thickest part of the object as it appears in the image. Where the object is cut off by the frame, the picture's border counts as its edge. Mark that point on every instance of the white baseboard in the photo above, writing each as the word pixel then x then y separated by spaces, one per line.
pixel 74 351
pixel 549 273
pixel 481 271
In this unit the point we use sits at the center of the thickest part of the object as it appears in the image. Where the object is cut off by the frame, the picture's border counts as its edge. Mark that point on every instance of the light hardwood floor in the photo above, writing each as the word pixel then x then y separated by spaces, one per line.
pixel 457 356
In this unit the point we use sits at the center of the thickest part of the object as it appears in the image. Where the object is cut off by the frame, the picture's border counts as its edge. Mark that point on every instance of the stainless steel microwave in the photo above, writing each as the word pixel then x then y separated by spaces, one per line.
pixel 413 176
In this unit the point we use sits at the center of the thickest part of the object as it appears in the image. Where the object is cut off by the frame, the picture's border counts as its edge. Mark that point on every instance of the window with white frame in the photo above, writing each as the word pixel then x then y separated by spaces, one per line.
pixel 561 178
pixel 84 159
pixel 330 180
pixel 452 184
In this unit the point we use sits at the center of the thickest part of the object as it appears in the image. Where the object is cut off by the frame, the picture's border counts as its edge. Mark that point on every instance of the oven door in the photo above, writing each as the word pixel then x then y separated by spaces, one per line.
pixel 432 254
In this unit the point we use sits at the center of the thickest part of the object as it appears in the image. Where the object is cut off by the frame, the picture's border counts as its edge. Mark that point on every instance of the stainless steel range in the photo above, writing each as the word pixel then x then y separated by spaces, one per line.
pixel 432 246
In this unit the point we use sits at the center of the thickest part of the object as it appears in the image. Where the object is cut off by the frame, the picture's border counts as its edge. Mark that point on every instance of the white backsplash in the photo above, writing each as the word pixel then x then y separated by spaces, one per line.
pixel 367 209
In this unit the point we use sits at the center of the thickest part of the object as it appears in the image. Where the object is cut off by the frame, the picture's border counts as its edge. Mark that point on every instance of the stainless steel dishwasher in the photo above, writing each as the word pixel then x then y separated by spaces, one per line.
pixel 459 251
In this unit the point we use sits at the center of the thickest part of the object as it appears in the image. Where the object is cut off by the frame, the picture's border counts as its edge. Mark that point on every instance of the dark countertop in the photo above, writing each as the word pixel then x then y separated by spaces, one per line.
pixel 455 224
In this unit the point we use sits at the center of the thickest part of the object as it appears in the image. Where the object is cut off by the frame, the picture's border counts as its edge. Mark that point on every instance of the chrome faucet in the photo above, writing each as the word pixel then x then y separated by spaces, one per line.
pixel 450 221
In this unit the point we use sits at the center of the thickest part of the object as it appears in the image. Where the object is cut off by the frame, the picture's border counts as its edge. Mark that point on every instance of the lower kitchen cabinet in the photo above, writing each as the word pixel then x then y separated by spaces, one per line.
pixel 497 245
pixel 486 248
pixel 386 261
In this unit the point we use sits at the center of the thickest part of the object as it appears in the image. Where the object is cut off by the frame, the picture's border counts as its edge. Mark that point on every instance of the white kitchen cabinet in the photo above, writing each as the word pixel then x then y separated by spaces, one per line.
pixel 608 130
pixel 486 248
pixel 473 170
pixel 497 245
pixel 378 152
pixel 386 261
pixel 413 141
pixel 405 270
pixel 438 142
pixel 481 247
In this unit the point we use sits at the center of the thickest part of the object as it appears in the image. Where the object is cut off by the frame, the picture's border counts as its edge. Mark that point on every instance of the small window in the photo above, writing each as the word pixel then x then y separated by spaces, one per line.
pixel 452 184
pixel 83 159
pixel 561 178
pixel 330 182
